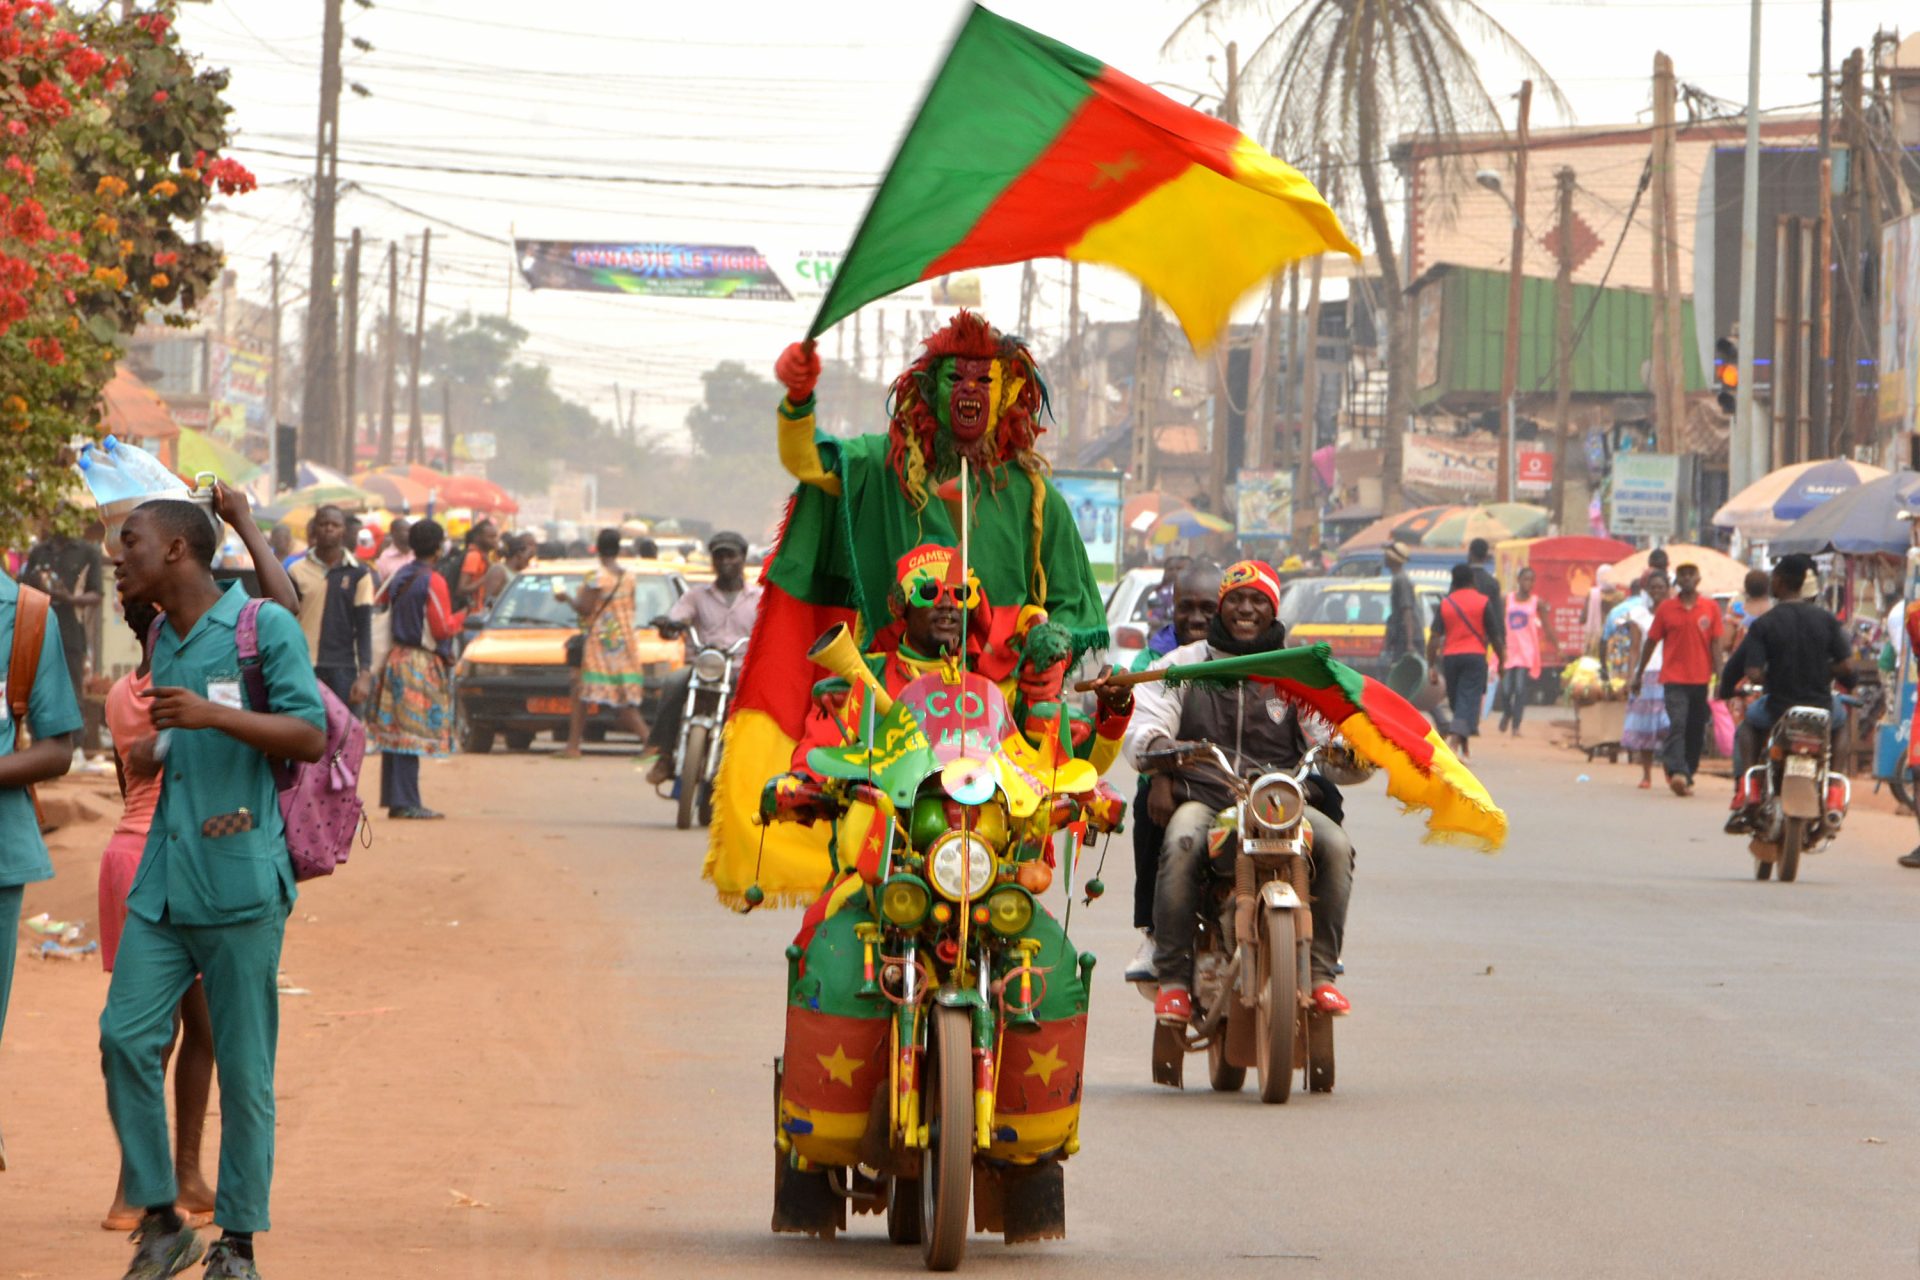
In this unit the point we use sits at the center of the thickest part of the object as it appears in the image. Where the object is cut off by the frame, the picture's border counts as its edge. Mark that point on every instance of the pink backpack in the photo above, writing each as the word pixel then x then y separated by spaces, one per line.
pixel 320 802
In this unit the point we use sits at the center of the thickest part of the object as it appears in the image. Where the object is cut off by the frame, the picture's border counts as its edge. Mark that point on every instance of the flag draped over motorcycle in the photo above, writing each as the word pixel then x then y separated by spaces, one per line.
pixel 1422 773
pixel 1026 148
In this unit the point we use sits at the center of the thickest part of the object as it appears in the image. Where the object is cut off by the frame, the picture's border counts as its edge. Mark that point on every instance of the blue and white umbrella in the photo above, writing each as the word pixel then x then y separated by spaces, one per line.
pixel 1771 503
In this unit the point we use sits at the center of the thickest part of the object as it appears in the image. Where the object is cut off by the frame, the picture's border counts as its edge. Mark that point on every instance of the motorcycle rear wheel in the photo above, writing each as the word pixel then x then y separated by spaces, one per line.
pixel 1792 837
pixel 693 772
pixel 946 1170
pixel 1279 1007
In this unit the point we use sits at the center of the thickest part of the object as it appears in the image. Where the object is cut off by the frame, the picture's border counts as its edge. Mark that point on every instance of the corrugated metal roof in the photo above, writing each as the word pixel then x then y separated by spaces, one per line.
pixel 1472 334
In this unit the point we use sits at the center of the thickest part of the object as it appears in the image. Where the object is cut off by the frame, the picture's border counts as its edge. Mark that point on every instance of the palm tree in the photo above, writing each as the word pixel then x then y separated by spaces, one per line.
pixel 1345 78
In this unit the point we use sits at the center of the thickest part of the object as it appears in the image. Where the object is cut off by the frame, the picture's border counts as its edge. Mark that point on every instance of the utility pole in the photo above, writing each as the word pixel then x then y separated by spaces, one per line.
pixel 1028 284
pixel 273 377
pixel 1676 359
pixel 1822 364
pixel 1305 518
pixel 416 443
pixel 1218 471
pixel 1747 462
pixel 1510 358
pixel 1142 408
pixel 350 367
pixel 319 403
pixel 1262 402
pixel 1665 428
pixel 1863 233
pixel 389 354
pixel 1077 388
pixel 880 346
pixel 1563 348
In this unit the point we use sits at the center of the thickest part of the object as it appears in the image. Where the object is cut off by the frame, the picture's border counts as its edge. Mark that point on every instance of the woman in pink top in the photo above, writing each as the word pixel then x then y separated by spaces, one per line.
pixel 1527 627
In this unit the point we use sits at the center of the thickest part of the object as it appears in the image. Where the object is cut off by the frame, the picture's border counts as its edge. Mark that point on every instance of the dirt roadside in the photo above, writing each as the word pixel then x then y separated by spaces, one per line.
pixel 449 1101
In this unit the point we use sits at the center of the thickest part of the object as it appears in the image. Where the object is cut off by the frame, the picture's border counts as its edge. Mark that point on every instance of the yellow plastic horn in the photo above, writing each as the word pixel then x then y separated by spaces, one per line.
pixel 836 651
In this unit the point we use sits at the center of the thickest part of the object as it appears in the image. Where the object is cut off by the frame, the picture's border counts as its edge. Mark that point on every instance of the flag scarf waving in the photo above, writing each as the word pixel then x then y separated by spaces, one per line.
pixel 1386 729
pixel 1025 148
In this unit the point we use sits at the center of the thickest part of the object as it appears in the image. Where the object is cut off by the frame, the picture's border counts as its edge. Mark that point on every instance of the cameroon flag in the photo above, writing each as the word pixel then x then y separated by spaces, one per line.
pixel 1025 148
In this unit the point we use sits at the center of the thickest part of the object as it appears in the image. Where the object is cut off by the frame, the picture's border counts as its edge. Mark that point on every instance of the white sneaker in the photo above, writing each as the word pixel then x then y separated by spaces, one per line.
pixel 1140 968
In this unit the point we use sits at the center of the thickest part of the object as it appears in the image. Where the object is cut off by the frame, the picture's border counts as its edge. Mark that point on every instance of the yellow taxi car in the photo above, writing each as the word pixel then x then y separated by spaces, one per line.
pixel 1350 615
pixel 513 682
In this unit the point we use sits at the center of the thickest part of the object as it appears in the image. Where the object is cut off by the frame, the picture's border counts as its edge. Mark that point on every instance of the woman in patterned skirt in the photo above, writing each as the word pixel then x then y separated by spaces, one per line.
pixel 610 674
pixel 413 691
pixel 1646 723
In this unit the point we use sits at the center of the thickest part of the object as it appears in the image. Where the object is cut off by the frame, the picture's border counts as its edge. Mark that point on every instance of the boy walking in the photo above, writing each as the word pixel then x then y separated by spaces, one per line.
pixel 214 886
pixel 54 717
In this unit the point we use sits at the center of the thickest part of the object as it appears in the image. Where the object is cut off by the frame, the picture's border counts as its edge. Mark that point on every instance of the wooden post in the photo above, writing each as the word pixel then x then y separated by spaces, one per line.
pixel 1220 471
pixel 1510 361
pixel 389 354
pixel 416 442
pixel 1142 400
pixel 1563 350
pixel 1306 523
pixel 273 378
pixel 350 365
pixel 1660 383
pixel 1076 366
pixel 1676 362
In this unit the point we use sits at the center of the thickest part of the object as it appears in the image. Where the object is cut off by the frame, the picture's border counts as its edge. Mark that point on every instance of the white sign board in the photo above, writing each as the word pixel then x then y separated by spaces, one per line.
pixel 1646 495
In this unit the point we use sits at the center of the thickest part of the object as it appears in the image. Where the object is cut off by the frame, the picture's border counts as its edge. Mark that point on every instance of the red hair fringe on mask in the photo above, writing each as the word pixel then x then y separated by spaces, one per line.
pixel 914 425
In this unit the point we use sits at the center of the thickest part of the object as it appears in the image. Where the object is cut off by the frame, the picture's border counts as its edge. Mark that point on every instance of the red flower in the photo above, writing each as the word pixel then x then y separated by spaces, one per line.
pixel 166 259
pixel 48 350
pixel 82 63
pixel 230 176
pixel 115 73
pixel 18 128
pixel 16 165
pixel 47 99
pixel 28 222
pixel 159 95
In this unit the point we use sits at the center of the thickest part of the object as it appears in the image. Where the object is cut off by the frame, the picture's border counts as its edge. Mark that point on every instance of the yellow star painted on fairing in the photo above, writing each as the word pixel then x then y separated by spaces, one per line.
pixel 1044 1064
pixel 840 1067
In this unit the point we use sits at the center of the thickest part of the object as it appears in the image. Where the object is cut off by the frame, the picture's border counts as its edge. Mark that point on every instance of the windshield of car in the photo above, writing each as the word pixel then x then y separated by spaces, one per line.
pixel 1340 603
pixel 530 600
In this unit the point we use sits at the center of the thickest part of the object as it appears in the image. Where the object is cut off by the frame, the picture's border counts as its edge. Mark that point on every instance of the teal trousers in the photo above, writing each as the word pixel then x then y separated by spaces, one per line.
pixel 10 896
pixel 156 964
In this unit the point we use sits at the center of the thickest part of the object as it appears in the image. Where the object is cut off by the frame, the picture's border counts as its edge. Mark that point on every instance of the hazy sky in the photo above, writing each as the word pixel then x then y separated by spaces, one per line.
pixel 744 91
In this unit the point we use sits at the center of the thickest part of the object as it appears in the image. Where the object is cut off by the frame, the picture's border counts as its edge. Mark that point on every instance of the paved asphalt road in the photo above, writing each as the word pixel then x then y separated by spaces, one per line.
pixel 1605 1052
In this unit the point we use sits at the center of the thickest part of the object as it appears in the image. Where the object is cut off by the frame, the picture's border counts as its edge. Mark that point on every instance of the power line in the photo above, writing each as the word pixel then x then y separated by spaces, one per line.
pixel 633 179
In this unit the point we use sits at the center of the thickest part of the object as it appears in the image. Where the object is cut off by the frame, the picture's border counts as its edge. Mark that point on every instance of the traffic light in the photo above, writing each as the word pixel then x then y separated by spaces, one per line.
pixel 1726 373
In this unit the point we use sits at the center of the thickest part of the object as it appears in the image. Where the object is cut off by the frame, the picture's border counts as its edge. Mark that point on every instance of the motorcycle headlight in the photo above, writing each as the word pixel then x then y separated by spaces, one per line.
pixel 1277 802
pixel 956 855
pixel 904 901
pixel 1009 910
pixel 710 664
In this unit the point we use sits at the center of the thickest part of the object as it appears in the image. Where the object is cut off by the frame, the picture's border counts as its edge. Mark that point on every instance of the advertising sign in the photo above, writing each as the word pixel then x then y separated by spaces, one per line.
pixel 1468 465
pixel 1900 324
pixel 1535 467
pixel 1264 504
pixel 1646 495
pixel 808 272
pixel 1094 499
pixel 651 268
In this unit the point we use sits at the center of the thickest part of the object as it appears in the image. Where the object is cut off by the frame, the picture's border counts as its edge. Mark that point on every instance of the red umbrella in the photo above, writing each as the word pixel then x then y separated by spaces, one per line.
pixel 401 493
pixel 477 492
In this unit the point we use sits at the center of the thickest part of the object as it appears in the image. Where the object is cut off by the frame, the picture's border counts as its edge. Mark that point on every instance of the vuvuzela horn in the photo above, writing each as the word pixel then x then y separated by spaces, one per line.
pixel 836 651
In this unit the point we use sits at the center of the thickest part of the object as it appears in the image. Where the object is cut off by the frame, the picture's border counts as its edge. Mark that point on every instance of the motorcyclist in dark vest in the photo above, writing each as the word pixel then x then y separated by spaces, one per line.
pixel 1258 730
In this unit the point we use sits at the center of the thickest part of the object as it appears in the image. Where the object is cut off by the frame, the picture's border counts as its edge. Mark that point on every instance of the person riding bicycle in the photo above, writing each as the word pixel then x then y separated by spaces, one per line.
pixel 1258 730
pixel 1794 651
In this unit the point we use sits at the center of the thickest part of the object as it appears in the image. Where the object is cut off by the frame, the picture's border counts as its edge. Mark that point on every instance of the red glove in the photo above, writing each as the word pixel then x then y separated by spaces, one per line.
pixel 798 368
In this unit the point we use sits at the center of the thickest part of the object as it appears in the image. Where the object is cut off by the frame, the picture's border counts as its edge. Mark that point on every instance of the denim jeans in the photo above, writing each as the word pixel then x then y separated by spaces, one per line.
pixel 1181 891
pixel 1466 677
pixel 1687 720
pixel 1515 686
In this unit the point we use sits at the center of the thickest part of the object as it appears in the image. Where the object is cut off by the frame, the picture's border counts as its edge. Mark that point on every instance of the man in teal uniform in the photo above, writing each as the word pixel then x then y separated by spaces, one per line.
pixel 214 885
pixel 53 717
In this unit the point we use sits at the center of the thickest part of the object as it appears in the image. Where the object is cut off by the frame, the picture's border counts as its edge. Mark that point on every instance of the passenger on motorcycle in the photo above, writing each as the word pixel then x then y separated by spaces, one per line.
pixel 1259 731
pixel 1794 651
pixel 721 612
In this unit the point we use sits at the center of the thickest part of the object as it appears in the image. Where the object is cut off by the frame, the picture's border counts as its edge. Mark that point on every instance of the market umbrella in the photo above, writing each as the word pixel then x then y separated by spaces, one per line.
pixel 291 503
pixel 1774 501
pixel 1384 529
pixel 201 452
pixel 1186 523
pixel 476 492
pixel 1719 572
pixel 1142 509
pixel 1462 525
pixel 397 491
pixel 1863 521
pixel 307 473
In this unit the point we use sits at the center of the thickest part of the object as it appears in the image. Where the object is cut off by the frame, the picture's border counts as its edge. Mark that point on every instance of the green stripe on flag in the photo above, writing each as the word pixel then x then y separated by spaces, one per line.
pixel 1002 98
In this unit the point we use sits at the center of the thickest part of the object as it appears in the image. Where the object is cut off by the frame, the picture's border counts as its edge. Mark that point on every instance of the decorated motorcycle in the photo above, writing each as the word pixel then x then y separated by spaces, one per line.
pixel 936 1016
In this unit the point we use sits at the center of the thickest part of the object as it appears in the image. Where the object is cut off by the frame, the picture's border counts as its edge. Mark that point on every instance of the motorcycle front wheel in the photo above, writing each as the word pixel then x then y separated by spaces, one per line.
pixel 946 1169
pixel 1279 1007
pixel 1793 837
pixel 693 773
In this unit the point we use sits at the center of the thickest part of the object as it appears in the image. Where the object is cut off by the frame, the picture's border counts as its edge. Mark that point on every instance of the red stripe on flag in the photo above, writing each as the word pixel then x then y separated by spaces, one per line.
pixel 1202 138
pixel 833 1063
pixel 777 677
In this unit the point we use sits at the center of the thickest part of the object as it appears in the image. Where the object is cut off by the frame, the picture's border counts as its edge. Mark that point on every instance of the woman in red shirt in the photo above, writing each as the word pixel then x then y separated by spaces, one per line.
pixel 1463 630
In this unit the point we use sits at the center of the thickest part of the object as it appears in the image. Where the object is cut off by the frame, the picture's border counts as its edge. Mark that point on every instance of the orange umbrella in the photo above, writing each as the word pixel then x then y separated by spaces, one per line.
pixel 402 493
pixel 477 492
pixel 1720 573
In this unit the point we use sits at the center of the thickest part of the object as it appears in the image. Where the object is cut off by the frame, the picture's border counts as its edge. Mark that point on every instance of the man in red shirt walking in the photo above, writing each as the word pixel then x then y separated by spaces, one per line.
pixel 1688 626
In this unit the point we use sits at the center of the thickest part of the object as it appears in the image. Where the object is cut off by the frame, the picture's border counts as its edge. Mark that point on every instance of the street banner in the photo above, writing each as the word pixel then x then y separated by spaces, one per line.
pixel 1094 499
pixel 651 268
pixel 1536 470
pixel 1899 289
pixel 1466 465
pixel 1646 495
pixel 1263 504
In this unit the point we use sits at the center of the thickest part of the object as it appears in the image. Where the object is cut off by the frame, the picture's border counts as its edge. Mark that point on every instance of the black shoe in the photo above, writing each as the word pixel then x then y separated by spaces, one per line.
pixel 1905 860
pixel 162 1253
pixel 1740 822
pixel 415 812
pixel 226 1264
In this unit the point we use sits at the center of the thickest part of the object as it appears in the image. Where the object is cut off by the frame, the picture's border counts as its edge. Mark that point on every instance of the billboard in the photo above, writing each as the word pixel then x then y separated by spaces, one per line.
pixel 1264 504
pixel 1094 499
pixel 651 268
pixel 1467 465
pixel 1646 495
pixel 1900 324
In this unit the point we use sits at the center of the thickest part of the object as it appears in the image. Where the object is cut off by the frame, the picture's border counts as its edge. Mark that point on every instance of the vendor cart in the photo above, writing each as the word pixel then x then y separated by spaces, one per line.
pixel 1597 727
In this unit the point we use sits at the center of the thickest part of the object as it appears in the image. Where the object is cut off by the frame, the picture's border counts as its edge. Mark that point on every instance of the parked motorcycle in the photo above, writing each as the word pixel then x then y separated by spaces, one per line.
pixel 936 1018
pixel 1251 957
pixel 1799 800
pixel 696 753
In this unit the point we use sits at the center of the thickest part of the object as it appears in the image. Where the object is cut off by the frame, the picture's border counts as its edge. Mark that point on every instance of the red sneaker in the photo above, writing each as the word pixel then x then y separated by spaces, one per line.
pixel 1173 1007
pixel 1327 999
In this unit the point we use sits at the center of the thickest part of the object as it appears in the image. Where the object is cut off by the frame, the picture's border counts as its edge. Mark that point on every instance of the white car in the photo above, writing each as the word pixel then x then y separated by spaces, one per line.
pixel 1127 612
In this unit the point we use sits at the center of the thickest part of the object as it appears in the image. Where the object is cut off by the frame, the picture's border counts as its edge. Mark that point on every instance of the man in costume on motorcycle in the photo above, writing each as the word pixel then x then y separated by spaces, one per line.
pixel 1259 731
pixel 1795 651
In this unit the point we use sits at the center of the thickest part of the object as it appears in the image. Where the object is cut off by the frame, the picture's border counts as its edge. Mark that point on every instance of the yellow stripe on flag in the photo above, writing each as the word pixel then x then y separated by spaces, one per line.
pixel 794 865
